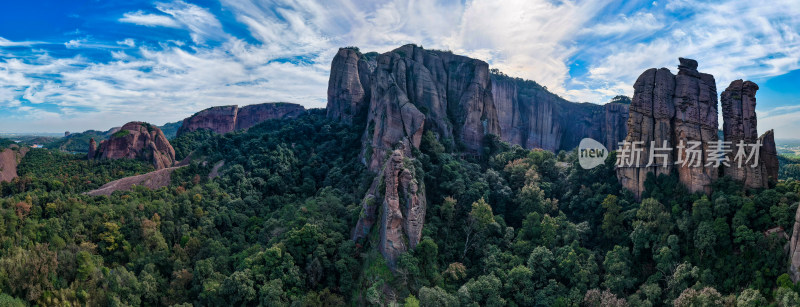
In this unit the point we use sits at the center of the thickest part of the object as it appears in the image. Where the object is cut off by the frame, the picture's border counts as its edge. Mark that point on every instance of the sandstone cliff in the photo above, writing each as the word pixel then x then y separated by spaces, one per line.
pixel 138 140
pixel 532 117
pixel 397 199
pixel 411 88
pixel 92 149
pixel 9 159
pixel 400 93
pixel 740 125
pixel 348 85
pixel 794 249
pixel 676 110
pixel 224 119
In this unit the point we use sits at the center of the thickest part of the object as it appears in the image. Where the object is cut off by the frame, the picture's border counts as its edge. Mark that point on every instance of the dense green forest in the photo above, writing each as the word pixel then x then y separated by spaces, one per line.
pixel 514 227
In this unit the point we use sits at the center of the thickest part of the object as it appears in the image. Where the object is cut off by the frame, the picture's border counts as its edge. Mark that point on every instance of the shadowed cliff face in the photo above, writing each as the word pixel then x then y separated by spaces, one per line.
pixel 138 140
pixel 401 93
pixel 740 125
pixel 410 89
pixel 532 117
pixel 683 108
pixel 676 110
pixel 224 119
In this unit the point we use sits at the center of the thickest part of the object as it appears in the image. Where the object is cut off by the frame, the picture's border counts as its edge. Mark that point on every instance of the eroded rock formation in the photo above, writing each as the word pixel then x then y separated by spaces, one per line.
pixel 9 159
pixel 794 249
pixel 672 110
pixel 740 125
pixel 138 140
pixel 348 85
pixel 397 199
pixel 92 149
pixel 532 117
pixel 409 89
pixel 224 119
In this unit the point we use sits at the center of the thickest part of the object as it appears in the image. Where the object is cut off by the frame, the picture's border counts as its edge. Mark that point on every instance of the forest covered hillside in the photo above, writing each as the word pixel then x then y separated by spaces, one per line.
pixel 512 227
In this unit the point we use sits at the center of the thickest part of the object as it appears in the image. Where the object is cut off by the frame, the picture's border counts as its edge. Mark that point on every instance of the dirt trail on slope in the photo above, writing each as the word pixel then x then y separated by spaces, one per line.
pixel 152 180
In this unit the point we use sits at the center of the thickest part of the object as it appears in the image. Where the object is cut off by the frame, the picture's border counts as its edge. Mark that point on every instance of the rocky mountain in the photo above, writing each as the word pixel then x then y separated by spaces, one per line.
pixel 675 110
pixel 400 94
pixel 672 110
pixel 740 125
pixel 532 117
pixel 409 90
pixel 139 140
pixel 224 119
pixel 396 198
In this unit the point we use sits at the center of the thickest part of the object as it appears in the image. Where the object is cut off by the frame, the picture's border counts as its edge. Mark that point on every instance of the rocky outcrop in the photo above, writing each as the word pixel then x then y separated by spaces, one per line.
pixel 672 110
pixel 138 140
pixel 348 85
pixel 409 89
pixel 9 159
pixel 92 149
pixel 224 119
pixel 152 180
pixel 532 117
pixel 220 119
pixel 794 249
pixel 740 126
pixel 396 198
pixel 768 158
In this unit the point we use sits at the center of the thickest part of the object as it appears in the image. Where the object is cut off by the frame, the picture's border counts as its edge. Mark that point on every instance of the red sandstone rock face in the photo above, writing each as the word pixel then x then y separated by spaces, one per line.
pixel 152 180
pixel 403 206
pixel 138 140
pixel 224 119
pixel 674 109
pixel 92 149
pixel 221 119
pixel 249 116
pixel 9 159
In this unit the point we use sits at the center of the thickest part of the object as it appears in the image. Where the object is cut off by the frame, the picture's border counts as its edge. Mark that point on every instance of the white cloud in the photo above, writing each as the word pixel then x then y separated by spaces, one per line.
pixel 7 43
pixel 127 42
pixel 149 20
pixel 75 43
pixel 291 44
pixel 640 22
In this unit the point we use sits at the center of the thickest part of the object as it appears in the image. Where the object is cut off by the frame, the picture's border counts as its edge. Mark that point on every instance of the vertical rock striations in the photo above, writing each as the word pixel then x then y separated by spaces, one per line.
pixel 410 89
pixel 92 149
pixel 676 110
pixel 224 119
pixel 348 85
pixel 532 117
pixel 397 199
pixel 740 125
pixel 138 140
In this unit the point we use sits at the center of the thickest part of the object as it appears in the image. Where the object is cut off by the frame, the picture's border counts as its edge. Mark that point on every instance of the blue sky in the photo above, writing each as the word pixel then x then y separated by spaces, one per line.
pixel 88 64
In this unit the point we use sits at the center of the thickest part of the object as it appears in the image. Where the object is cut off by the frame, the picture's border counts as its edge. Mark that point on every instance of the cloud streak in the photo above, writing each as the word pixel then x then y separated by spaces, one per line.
pixel 248 51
